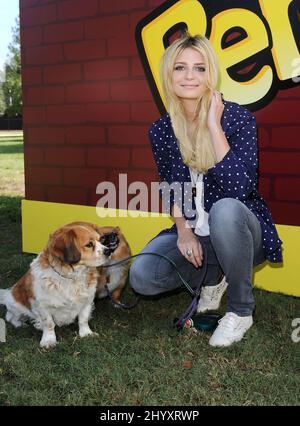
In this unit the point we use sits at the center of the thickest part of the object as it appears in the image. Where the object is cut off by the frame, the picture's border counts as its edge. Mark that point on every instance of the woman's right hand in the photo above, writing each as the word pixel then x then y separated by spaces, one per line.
pixel 188 242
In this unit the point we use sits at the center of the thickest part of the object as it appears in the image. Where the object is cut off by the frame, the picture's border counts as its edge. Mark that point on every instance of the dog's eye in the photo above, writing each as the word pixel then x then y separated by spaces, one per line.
pixel 90 245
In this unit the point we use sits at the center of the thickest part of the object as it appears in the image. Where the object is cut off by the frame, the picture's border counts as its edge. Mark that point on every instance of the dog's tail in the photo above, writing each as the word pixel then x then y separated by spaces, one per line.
pixel 3 296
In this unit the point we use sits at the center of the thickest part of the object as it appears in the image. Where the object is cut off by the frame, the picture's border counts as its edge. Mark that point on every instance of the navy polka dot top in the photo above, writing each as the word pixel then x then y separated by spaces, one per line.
pixel 235 176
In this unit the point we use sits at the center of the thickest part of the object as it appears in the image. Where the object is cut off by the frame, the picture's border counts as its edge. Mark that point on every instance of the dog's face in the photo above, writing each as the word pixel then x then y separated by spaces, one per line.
pixel 77 243
pixel 117 249
pixel 112 238
pixel 111 241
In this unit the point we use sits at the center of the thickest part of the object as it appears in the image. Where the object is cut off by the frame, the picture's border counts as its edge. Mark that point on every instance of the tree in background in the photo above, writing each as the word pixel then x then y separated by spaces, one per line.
pixel 12 85
pixel 2 100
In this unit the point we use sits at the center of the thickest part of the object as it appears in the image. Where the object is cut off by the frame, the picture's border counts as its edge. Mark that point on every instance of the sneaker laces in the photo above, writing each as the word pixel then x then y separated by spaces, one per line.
pixel 227 323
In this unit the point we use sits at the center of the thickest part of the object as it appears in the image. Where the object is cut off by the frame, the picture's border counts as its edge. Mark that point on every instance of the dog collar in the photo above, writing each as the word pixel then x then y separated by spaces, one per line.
pixel 63 276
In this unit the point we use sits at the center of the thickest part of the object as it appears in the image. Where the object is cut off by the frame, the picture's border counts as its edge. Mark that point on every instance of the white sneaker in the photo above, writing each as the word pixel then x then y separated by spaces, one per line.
pixel 231 329
pixel 210 296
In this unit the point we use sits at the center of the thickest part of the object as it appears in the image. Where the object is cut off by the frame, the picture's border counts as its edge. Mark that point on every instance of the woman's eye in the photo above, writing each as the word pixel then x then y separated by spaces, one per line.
pixel 90 245
pixel 181 68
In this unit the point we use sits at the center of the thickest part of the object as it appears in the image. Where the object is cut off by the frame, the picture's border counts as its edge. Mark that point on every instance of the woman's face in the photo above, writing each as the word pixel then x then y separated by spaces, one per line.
pixel 188 77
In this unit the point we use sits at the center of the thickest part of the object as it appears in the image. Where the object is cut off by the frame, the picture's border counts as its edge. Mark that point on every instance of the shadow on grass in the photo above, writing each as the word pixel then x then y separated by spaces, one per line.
pixel 16 147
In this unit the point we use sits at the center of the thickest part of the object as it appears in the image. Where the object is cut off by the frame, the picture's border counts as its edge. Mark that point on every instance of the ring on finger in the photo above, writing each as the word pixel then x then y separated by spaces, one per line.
pixel 189 253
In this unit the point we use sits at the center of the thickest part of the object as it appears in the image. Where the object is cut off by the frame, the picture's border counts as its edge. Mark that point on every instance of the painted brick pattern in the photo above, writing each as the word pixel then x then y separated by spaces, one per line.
pixel 87 107
pixel 279 156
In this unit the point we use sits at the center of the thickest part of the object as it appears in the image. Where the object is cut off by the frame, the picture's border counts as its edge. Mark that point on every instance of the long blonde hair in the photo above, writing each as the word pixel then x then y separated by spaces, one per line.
pixel 197 152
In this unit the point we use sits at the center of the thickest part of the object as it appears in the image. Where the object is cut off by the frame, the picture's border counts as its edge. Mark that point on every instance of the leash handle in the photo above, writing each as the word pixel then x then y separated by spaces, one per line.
pixel 179 323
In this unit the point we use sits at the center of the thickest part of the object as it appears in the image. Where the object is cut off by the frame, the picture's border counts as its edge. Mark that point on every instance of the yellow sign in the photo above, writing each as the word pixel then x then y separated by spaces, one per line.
pixel 257 44
pixel 41 218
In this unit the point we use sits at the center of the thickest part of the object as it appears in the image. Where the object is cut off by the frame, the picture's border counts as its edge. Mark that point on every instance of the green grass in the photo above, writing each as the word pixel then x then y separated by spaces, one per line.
pixel 138 358
pixel 11 165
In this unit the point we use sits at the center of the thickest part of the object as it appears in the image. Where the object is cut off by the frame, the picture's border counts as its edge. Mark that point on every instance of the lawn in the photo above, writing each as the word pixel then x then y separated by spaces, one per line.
pixel 138 358
pixel 12 164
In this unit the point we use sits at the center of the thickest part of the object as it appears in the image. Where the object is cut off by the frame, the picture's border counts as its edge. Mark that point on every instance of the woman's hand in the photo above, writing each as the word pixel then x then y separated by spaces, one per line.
pixel 215 111
pixel 188 243
pixel 214 116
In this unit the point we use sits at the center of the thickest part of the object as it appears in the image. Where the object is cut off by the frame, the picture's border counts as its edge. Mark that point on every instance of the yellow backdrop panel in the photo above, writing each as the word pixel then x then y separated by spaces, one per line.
pixel 39 219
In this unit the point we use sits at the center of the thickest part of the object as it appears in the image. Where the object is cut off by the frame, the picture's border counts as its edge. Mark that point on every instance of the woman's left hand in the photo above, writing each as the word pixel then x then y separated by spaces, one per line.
pixel 215 111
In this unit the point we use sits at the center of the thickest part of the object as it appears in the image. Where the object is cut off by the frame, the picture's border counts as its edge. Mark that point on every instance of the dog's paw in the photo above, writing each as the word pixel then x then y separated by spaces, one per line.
pixel 86 333
pixel 48 343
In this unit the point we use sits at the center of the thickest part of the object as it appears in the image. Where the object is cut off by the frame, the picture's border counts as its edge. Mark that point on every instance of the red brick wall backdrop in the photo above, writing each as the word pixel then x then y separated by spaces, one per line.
pixel 88 107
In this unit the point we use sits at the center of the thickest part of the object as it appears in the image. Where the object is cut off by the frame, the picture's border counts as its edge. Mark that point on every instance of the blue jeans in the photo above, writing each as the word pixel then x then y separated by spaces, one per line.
pixel 236 242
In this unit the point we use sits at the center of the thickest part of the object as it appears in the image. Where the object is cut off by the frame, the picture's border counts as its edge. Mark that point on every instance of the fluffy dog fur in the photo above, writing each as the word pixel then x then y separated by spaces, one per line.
pixel 60 284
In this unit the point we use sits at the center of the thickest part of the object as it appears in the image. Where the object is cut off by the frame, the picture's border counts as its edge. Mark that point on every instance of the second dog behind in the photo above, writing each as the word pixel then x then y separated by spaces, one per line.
pixel 117 249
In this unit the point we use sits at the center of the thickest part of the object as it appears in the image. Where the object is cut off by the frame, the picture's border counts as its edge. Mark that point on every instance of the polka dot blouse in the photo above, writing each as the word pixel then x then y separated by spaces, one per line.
pixel 235 176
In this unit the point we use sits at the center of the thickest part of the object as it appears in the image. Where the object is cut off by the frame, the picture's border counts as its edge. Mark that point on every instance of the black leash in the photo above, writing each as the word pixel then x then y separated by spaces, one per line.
pixel 179 323
pixel 133 305
pixel 188 287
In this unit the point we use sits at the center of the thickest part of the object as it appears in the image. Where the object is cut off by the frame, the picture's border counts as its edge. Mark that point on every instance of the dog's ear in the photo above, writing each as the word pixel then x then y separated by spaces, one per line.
pixel 99 230
pixel 94 226
pixel 70 251
pixel 64 247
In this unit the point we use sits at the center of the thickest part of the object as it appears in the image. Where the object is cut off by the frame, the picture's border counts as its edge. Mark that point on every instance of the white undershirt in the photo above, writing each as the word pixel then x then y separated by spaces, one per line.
pixel 202 226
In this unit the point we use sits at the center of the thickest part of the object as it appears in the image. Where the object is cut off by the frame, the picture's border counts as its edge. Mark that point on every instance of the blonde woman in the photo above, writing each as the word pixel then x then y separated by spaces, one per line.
pixel 208 147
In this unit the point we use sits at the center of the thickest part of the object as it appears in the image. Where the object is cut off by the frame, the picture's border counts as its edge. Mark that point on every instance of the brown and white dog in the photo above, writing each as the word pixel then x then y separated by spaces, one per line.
pixel 60 284
pixel 117 249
